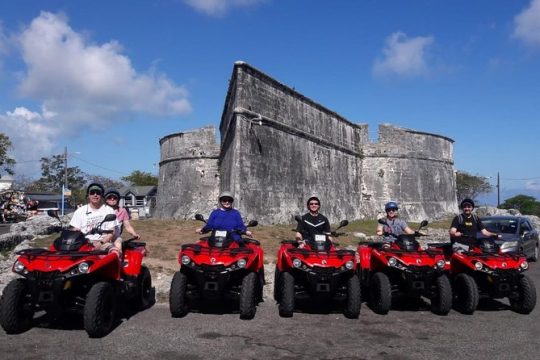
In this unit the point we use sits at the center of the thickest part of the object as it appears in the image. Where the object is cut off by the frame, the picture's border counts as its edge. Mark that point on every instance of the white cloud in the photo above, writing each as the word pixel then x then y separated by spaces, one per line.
pixel 219 7
pixel 78 85
pixel 403 56
pixel 33 135
pixel 532 185
pixel 88 84
pixel 527 24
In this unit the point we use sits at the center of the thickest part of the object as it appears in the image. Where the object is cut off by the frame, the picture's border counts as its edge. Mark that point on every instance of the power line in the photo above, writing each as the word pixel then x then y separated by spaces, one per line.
pixel 98 166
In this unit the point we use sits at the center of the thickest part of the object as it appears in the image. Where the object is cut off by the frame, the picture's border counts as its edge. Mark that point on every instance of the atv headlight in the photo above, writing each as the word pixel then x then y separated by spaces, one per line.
pixel 478 265
pixel 83 267
pixel 185 260
pixel 392 261
pixel 440 264
pixel 524 265
pixel 18 266
pixel 349 264
pixel 296 263
pixel 241 263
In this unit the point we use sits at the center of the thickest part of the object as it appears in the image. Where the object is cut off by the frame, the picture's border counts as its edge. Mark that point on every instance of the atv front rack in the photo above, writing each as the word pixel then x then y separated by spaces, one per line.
pixel 40 252
pixel 198 249
pixel 329 254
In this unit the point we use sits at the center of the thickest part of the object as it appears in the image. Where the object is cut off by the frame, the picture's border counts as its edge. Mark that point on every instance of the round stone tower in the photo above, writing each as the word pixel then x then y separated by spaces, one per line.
pixel 188 174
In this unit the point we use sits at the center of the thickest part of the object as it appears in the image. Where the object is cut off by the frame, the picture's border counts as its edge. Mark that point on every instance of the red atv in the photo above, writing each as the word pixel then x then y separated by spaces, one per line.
pixel 319 272
pixel 72 277
pixel 217 268
pixel 402 267
pixel 484 271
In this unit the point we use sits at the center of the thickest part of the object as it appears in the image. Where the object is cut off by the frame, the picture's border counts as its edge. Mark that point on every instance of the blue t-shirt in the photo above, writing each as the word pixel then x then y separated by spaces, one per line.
pixel 395 226
pixel 221 219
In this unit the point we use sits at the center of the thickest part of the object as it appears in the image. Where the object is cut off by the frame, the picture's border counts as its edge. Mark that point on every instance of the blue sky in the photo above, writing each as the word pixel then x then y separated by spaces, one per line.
pixel 108 79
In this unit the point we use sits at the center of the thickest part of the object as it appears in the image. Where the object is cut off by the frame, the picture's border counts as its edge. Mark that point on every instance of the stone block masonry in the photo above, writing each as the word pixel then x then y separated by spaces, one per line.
pixel 278 147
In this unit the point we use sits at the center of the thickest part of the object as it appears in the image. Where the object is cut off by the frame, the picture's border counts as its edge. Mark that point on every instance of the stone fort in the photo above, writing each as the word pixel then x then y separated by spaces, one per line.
pixel 279 147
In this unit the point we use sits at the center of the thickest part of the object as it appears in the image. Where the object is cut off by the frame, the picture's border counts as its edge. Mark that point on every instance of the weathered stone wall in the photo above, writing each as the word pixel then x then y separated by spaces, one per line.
pixel 188 174
pixel 413 168
pixel 279 148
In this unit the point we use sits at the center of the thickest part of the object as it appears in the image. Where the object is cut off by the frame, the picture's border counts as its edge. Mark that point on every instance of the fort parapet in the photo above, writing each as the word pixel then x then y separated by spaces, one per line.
pixel 279 147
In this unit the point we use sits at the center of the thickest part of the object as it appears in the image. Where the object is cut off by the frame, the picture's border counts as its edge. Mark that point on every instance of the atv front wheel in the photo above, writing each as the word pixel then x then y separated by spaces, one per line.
pixel 144 289
pixel 441 302
pixel 380 293
pixel 286 303
pixel 526 300
pixel 247 296
pixel 177 295
pixel 16 308
pixel 276 284
pixel 354 298
pixel 465 293
pixel 99 310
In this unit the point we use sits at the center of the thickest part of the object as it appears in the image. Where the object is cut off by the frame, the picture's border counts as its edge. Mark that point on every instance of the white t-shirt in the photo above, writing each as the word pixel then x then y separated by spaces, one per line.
pixel 86 218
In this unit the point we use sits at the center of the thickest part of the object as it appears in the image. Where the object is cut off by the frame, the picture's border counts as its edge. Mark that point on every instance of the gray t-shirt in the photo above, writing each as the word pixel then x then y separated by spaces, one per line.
pixel 395 226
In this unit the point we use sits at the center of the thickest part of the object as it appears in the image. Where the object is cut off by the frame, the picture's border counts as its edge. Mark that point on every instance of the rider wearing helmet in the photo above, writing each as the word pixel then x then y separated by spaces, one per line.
pixel 226 218
pixel 465 226
pixel 112 198
pixel 394 225
pixel 88 216
pixel 313 222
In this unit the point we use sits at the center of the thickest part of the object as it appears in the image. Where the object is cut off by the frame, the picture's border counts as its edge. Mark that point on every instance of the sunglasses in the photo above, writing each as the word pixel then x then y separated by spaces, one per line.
pixel 391 210
pixel 112 198
pixel 227 201
pixel 313 203
pixel 95 192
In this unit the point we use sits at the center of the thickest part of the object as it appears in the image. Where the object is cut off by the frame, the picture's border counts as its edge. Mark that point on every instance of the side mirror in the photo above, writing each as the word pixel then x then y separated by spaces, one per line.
pixel 53 213
pixel 109 217
pixel 382 221
pixel 253 223
pixel 199 217
pixel 343 223
pixel 424 223
pixel 298 218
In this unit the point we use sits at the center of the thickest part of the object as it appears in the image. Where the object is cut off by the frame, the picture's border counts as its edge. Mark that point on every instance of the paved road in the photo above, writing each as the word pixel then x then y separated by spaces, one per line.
pixel 4 228
pixel 493 332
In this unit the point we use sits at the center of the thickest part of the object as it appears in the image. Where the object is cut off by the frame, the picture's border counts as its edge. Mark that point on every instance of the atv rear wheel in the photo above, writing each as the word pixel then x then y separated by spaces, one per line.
pixel 16 308
pixel 354 298
pixel 247 296
pixel 526 301
pixel 465 292
pixel 99 310
pixel 380 293
pixel 441 302
pixel 177 295
pixel 144 289
pixel 286 290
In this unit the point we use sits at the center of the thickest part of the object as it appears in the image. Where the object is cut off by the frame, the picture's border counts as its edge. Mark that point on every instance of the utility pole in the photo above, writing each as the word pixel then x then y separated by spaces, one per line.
pixel 498 190
pixel 64 185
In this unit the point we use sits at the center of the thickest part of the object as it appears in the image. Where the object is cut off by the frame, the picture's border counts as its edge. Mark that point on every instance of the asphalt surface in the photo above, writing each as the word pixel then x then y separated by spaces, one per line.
pixel 492 332
pixel 4 228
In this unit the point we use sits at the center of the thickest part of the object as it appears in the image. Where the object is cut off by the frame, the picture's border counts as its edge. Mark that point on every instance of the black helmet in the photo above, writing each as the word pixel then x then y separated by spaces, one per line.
pixel 112 192
pixel 313 198
pixel 466 201
pixel 95 186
